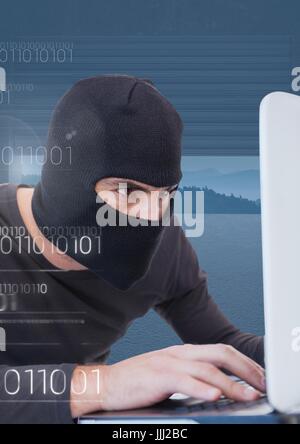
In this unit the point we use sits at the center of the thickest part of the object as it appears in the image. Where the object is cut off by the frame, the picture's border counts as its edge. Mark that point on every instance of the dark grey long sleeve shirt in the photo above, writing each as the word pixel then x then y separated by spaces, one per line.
pixel 55 319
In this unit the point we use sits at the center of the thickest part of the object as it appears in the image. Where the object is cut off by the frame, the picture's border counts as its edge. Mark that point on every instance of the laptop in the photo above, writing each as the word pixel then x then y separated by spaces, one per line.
pixel 280 211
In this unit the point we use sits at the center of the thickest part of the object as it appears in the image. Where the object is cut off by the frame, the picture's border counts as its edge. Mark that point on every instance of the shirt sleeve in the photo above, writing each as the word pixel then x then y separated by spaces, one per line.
pixel 36 394
pixel 192 312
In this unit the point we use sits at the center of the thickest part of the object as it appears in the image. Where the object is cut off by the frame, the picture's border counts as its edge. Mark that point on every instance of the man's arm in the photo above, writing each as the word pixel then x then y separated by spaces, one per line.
pixel 191 311
pixel 140 381
pixel 35 394
pixel 56 394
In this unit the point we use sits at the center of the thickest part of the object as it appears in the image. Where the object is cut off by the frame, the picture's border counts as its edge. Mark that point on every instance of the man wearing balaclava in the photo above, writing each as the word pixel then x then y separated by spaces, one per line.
pixel 77 281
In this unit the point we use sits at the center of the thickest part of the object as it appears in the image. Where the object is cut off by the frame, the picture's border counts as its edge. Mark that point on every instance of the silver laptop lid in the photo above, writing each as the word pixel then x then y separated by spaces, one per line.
pixel 280 199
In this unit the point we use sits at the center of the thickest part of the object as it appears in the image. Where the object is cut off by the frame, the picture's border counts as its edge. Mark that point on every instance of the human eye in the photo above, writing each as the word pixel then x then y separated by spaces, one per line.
pixel 125 190
pixel 122 191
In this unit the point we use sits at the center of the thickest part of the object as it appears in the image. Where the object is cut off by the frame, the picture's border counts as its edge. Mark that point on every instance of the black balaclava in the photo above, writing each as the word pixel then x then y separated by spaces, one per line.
pixel 106 126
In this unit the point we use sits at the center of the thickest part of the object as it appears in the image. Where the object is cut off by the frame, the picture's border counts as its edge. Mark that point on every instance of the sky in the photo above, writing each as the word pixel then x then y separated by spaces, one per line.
pixel 223 164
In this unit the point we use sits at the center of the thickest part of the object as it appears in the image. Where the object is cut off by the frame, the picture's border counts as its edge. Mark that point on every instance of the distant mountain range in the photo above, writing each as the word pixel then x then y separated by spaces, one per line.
pixel 217 203
pixel 244 183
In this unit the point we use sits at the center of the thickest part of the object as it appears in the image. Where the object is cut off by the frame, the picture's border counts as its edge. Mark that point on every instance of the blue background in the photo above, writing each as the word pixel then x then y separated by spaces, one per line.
pixel 214 60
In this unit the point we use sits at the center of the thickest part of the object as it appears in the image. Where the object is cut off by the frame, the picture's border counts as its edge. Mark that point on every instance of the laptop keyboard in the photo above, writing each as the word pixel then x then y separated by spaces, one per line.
pixel 224 404
pixel 227 404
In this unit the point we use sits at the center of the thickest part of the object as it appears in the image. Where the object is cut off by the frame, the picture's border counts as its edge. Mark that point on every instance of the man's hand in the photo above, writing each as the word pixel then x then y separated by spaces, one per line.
pixel 151 377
